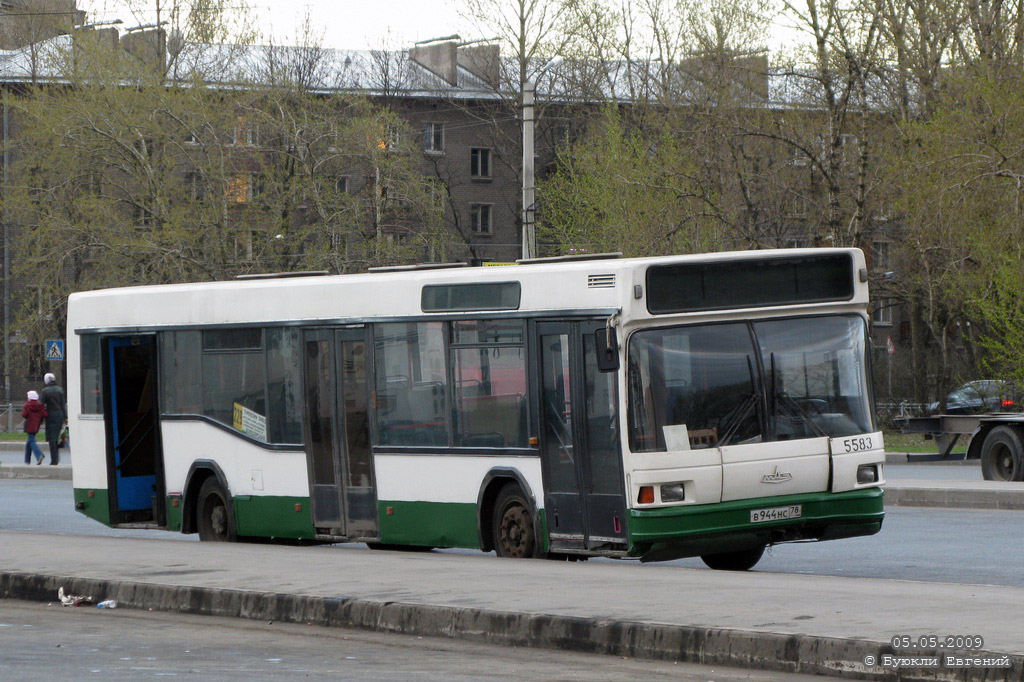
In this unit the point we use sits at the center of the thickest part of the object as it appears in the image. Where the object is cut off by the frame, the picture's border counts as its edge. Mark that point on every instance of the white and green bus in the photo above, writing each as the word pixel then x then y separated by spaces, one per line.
pixel 699 405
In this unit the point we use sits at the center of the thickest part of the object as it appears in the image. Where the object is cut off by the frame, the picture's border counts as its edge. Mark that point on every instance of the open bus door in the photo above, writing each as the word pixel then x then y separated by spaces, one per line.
pixel 584 497
pixel 132 421
pixel 340 461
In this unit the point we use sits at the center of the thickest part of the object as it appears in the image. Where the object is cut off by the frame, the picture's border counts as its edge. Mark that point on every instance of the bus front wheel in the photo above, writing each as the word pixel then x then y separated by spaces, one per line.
pixel 213 512
pixel 514 528
pixel 742 560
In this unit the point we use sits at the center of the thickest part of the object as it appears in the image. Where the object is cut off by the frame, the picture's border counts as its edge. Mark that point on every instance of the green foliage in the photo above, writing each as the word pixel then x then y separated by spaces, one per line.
pixel 1003 316
pixel 628 188
pixel 132 179
pixel 955 182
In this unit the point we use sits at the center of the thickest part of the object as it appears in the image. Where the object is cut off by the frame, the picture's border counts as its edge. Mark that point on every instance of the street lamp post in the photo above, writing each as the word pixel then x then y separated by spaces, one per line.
pixel 529 211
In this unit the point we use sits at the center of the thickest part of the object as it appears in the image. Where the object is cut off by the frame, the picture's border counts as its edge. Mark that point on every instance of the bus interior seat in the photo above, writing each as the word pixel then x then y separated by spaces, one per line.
pixel 703 438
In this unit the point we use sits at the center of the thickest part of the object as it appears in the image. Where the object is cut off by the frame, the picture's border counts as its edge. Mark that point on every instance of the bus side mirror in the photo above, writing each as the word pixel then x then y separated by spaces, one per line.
pixel 607 345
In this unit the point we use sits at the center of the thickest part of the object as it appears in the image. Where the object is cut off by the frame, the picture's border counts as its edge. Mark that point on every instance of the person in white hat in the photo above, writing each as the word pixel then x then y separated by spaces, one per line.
pixel 52 397
pixel 34 414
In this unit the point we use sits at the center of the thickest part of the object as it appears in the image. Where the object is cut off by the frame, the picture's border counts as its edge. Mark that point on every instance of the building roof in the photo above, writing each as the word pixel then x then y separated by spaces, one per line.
pixel 399 73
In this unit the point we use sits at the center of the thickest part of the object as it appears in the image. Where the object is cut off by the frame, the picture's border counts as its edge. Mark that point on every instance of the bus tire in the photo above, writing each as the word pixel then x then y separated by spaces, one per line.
pixel 214 518
pixel 1002 455
pixel 514 525
pixel 741 560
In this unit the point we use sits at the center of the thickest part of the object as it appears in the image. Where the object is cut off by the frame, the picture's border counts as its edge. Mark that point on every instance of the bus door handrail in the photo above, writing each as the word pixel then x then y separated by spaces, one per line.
pixel 134 448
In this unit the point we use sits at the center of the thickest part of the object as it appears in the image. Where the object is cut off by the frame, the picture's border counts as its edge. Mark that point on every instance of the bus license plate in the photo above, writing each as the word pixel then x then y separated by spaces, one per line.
pixel 793 511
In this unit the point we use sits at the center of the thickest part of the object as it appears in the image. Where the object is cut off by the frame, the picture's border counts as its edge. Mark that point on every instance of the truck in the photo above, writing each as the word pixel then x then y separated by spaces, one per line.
pixel 996 438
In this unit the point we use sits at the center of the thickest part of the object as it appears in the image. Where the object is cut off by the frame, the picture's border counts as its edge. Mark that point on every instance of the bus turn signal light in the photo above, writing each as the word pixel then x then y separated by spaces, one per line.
pixel 646 495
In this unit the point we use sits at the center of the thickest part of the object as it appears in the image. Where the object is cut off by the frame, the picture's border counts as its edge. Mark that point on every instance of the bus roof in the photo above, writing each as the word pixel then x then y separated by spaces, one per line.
pixel 584 286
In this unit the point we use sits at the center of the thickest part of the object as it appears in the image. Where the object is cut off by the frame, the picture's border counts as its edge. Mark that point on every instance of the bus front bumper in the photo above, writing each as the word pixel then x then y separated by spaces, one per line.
pixel 677 532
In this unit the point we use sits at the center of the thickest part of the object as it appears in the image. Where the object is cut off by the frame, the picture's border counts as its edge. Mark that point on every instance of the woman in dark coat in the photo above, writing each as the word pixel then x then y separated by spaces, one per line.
pixel 52 397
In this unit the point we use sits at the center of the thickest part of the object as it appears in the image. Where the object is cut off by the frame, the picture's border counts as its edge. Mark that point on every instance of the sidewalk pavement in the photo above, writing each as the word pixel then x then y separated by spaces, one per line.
pixel 12 462
pixel 797 623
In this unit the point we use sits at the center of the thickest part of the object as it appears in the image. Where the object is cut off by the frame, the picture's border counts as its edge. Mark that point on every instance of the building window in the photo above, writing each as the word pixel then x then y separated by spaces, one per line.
pixel 94 183
pixel 394 138
pixel 244 245
pixel 882 313
pixel 480 162
pixel 341 184
pixel 195 185
pixel 143 217
pixel 256 184
pixel 243 187
pixel 238 188
pixel 480 218
pixel 40 301
pixel 880 255
pixel 433 138
pixel 244 133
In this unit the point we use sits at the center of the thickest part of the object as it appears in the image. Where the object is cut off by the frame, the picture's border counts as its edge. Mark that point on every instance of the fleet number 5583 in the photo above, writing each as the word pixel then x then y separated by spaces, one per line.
pixel 857 444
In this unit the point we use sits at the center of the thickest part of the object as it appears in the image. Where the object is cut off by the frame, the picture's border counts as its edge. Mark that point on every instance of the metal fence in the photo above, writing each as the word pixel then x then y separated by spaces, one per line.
pixel 890 411
pixel 10 417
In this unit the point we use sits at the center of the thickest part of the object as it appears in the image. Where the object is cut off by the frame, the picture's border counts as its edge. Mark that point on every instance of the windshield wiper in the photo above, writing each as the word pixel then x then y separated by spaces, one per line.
pixel 732 421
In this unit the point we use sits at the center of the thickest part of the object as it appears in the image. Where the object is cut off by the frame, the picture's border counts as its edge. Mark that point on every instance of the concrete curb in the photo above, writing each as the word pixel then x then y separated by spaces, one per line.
pixel 803 653
pixel 959 458
pixel 957 498
pixel 58 472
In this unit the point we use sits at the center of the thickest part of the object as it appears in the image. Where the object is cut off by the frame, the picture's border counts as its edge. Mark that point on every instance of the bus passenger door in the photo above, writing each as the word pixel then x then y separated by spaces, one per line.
pixel 337 433
pixel 584 497
pixel 134 454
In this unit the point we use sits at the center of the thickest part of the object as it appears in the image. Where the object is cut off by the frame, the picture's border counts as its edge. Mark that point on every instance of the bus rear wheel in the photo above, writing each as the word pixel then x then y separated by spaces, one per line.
pixel 742 560
pixel 514 527
pixel 215 521
pixel 1002 455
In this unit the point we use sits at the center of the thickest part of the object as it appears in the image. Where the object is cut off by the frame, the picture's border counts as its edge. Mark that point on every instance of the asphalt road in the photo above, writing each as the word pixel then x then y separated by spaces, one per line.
pixel 43 643
pixel 936 545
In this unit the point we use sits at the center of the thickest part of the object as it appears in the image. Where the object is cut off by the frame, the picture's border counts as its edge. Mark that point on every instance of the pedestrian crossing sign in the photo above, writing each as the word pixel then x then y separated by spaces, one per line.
pixel 55 349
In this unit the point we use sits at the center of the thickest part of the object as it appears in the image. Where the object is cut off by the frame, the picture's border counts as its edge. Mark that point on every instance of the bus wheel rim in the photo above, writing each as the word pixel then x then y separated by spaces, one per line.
pixel 219 520
pixel 516 531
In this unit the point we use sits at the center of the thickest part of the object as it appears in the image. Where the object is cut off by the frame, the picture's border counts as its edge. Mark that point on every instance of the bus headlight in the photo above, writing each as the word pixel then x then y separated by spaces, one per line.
pixel 867 473
pixel 673 492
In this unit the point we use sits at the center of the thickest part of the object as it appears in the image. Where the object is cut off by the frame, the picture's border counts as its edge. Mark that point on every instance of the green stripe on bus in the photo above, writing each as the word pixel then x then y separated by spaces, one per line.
pixel 654 525
pixel 273 516
pixel 174 513
pixel 428 524
pixel 95 507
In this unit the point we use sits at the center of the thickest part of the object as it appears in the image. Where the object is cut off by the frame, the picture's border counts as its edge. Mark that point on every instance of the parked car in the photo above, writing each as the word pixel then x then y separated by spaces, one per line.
pixel 978 397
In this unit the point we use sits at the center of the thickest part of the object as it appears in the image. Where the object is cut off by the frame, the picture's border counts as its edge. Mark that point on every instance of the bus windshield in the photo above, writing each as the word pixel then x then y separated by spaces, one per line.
pixel 748 382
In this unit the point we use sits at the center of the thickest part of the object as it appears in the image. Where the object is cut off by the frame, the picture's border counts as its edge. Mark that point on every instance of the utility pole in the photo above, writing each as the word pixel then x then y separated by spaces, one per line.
pixel 7 259
pixel 529 249
pixel 529 211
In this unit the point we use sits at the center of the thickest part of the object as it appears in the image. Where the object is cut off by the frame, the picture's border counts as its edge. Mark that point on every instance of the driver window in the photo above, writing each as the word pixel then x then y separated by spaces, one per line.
pixel 698 377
